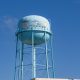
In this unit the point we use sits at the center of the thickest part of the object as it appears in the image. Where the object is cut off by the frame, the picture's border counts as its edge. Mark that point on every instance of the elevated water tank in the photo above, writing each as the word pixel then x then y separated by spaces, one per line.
pixel 36 25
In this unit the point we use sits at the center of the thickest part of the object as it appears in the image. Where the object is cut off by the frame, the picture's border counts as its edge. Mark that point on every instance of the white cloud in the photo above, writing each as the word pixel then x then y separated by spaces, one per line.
pixel 9 22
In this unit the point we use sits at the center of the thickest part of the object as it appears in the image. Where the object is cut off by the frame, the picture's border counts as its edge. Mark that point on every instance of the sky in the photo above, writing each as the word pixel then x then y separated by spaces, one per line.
pixel 64 16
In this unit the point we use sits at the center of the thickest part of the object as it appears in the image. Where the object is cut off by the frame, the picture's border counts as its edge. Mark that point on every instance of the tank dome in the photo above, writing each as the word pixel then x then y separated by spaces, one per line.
pixel 36 24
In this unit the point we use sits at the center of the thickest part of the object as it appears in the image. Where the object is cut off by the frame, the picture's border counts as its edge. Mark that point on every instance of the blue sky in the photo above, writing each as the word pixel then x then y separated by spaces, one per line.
pixel 64 16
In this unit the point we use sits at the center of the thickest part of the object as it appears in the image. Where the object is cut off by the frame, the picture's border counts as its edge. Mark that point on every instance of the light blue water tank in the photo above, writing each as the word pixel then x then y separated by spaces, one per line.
pixel 38 25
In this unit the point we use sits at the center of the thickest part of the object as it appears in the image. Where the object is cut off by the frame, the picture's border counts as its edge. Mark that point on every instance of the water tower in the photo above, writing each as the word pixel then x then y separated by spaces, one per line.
pixel 34 57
